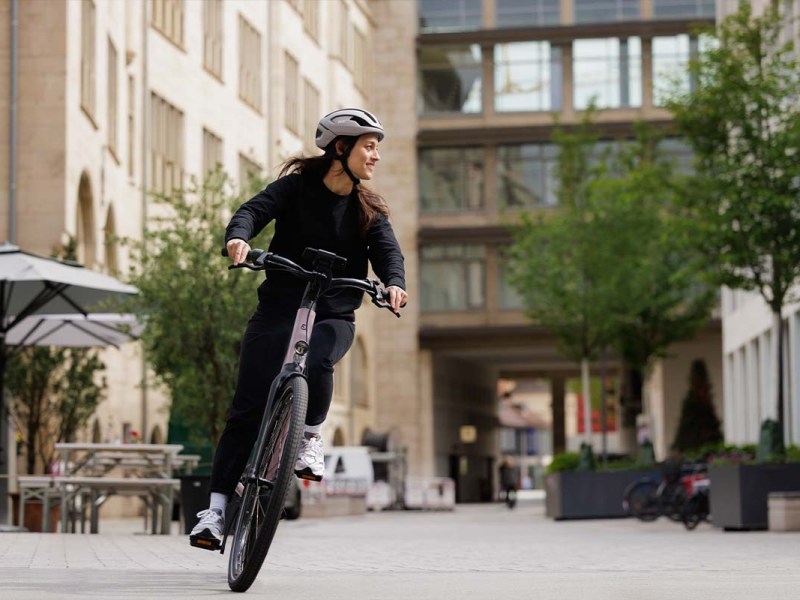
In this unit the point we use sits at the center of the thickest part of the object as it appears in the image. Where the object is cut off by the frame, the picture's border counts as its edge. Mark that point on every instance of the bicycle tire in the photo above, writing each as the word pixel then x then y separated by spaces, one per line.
pixel 261 507
pixel 642 500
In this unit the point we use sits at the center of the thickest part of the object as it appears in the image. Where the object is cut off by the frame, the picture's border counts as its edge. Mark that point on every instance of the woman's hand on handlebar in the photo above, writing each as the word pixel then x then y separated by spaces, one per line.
pixel 237 250
pixel 397 297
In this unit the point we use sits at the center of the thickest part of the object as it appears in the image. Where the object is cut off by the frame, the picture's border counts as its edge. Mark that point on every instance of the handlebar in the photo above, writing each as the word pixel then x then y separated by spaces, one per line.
pixel 261 260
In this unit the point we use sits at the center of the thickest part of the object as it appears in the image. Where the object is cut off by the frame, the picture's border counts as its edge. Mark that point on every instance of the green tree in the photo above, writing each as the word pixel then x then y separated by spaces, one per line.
pixel 611 267
pixel 194 308
pixel 662 294
pixel 698 425
pixel 743 121
pixel 558 265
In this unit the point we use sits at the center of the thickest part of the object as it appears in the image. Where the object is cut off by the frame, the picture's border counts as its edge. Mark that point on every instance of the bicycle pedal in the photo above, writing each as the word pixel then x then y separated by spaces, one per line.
pixel 307 475
pixel 204 542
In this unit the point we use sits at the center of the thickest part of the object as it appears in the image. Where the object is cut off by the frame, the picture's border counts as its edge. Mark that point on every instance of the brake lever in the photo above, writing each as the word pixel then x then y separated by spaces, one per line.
pixel 243 266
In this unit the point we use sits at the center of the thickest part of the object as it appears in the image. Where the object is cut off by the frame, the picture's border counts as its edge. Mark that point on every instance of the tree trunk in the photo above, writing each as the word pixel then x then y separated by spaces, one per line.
pixel 780 389
pixel 587 400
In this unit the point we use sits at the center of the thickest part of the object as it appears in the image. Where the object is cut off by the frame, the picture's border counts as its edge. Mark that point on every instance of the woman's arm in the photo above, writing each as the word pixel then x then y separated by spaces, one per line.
pixel 387 260
pixel 255 214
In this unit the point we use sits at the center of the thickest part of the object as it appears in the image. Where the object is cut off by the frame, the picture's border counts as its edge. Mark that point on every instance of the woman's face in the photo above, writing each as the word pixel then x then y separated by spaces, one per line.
pixel 364 156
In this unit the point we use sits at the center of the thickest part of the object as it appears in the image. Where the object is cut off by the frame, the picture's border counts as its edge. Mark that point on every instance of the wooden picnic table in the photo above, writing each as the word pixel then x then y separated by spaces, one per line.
pixel 146 470
pixel 91 459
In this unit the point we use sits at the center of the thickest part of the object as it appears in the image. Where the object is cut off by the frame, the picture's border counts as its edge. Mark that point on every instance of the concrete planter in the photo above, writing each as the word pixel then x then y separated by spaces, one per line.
pixel 739 493
pixel 589 495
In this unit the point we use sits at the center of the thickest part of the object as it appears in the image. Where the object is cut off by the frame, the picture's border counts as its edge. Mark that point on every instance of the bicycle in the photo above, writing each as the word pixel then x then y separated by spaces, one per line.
pixel 647 499
pixel 265 481
pixel 697 507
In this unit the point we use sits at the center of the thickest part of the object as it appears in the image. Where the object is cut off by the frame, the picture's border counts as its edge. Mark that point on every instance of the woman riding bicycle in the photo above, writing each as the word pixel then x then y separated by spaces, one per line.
pixel 317 202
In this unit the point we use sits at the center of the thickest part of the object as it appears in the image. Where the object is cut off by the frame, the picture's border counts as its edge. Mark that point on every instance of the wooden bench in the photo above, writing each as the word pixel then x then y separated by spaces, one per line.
pixel 157 493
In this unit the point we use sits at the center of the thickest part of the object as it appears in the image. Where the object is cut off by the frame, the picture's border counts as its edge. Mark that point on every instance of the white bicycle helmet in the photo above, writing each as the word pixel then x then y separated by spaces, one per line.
pixel 351 122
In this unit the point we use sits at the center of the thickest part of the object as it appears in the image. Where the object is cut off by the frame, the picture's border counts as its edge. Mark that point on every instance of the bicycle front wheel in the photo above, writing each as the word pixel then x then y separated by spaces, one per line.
pixel 263 499
pixel 642 500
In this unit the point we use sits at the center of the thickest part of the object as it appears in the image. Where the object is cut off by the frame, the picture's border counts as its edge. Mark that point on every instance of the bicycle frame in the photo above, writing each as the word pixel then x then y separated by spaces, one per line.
pixel 298 346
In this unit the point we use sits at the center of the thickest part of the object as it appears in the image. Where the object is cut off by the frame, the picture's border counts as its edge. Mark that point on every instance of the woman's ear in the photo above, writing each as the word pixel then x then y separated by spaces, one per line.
pixel 340 148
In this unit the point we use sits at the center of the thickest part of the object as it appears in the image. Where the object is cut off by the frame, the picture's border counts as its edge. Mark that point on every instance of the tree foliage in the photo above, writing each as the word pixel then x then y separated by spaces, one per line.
pixel 743 121
pixel 612 267
pixel 194 308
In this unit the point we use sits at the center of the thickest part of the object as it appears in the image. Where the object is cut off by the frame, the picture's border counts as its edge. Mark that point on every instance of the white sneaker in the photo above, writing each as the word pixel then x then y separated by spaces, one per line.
pixel 209 531
pixel 310 459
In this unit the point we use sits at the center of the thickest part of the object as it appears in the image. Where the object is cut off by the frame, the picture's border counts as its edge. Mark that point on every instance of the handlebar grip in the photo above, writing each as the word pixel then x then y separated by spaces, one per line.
pixel 252 255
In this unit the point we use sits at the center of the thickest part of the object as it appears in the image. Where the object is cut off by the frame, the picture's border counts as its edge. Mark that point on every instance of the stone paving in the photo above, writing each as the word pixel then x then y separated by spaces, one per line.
pixel 475 552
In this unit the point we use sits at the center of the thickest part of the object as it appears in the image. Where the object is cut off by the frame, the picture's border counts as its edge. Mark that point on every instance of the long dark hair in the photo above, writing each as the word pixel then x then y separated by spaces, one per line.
pixel 370 204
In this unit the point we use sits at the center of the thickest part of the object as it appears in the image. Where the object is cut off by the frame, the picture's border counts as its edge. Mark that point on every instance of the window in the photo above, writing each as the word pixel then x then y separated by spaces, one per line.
pixel 131 125
pixel 311 18
pixel 110 239
pixel 212 151
pixel 675 9
pixel 249 65
pixel 310 108
pixel 678 152
pixel 450 79
pixel 248 169
pixel 166 146
pixel 292 114
pixel 508 297
pixel 608 70
pixel 449 15
pixel 167 18
pixel 345 48
pixel 527 77
pixel 212 37
pixel 360 55
pixel 451 179
pixel 113 85
pixel 600 11
pixel 670 66
pixel 88 95
pixel 516 13
pixel 453 277
pixel 671 56
pixel 526 176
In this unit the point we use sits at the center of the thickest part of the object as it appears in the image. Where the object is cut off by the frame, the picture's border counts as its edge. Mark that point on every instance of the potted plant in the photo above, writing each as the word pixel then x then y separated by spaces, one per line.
pixel 740 486
pixel 572 493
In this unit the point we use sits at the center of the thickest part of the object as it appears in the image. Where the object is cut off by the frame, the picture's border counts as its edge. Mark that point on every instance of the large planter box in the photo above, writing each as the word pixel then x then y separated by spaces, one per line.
pixel 589 495
pixel 739 493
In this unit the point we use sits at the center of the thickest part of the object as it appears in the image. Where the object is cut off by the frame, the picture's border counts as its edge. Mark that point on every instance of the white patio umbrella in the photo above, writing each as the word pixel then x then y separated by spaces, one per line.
pixel 31 286
pixel 75 331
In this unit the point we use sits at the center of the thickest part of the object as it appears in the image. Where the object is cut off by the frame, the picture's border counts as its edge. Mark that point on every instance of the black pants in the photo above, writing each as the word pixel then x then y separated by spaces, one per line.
pixel 263 350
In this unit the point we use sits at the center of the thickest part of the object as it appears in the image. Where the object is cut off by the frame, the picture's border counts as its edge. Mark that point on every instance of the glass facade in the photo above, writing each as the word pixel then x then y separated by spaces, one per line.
pixel 526 176
pixel 527 77
pixel 453 277
pixel 602 11
pixel 449 15
pixel 451 179
pixel 450 79
pixel 677 9
pixel 608 70
pixel 517 13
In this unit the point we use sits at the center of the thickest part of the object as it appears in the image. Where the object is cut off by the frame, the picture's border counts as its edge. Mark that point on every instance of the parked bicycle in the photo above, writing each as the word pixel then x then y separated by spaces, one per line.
pixel 648 498
pixel 259 501
pixel 696 507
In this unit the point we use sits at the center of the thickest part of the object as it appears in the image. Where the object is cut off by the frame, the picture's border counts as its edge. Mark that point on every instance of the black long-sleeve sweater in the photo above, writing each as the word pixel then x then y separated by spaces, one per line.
pixel 308 214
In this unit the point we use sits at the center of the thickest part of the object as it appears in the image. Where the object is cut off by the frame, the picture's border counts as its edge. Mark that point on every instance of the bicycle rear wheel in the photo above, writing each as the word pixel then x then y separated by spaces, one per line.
pixel 263 499
pixel 642 500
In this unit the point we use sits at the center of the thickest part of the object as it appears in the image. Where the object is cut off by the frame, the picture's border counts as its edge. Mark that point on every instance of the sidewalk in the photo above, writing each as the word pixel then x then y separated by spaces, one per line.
pixel 475 552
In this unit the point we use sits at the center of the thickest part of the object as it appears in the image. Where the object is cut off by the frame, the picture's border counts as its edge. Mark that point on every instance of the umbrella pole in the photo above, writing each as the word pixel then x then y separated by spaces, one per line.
pixel 5 450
